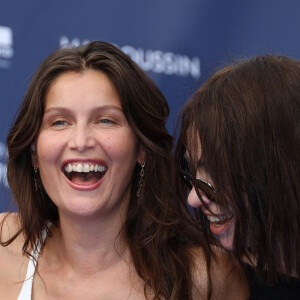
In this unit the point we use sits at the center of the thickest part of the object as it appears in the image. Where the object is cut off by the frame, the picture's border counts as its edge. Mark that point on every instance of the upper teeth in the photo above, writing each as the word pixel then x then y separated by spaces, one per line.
pixel 219 218
pixel 84 168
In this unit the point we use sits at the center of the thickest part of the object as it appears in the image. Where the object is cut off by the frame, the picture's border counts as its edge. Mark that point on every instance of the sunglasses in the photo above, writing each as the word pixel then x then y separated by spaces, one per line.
pixel 201 184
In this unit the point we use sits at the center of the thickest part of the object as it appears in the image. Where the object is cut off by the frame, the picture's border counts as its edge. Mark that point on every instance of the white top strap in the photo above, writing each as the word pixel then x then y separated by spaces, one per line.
pixel 26 290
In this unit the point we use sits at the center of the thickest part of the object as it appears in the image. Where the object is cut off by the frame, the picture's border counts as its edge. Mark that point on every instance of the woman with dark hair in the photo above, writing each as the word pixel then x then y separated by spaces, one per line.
pixel 238 152
pixel 89 167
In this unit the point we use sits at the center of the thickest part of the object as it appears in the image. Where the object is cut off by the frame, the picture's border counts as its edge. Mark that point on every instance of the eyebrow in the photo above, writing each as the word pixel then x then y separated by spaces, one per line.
pixel 95 110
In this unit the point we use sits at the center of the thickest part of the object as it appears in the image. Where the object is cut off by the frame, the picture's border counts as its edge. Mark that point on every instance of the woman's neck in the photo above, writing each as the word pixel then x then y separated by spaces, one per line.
pixel 89 245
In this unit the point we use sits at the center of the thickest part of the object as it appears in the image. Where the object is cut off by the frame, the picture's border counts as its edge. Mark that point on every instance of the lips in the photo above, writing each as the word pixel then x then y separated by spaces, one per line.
pixel 84 173
pixel 219 223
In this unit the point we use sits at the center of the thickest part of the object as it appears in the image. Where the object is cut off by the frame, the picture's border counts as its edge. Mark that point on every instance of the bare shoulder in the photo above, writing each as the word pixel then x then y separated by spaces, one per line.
pixel 13 263
pixel 9 226
pixel 228 280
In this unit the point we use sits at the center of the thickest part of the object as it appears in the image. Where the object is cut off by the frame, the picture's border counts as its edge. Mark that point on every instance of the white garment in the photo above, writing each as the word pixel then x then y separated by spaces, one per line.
pixel 26 290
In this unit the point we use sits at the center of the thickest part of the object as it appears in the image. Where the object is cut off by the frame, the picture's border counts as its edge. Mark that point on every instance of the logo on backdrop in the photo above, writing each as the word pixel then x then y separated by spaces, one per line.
pixel 152 60
pixel 3 168
pixel 6 46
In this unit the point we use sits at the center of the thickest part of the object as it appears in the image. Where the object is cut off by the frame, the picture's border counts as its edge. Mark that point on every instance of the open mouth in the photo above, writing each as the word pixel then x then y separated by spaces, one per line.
pixel 84 173
pixel 218 221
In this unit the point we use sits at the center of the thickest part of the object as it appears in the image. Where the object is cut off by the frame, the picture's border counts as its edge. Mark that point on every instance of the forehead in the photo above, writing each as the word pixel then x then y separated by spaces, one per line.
pixel 89 85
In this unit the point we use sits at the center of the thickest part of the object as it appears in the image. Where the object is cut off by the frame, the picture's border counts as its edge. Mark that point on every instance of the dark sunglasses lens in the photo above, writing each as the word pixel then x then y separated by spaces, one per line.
pixel 207 189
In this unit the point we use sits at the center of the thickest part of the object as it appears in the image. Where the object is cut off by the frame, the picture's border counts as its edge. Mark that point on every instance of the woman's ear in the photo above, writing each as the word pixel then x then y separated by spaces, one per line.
pixel 142 155
pixel 34 159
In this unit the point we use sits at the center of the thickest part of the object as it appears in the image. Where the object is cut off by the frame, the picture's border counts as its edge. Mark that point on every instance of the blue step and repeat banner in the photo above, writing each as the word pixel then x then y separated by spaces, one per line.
pixel 177 42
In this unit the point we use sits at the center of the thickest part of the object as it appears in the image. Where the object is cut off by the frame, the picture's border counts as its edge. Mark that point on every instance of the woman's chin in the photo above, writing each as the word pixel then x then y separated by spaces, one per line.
pixel 226 242
pixel 227 236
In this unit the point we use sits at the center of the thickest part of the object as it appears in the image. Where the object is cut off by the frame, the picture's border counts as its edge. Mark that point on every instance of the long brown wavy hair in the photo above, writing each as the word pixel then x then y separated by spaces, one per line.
pixel 247 117
pixel 155 229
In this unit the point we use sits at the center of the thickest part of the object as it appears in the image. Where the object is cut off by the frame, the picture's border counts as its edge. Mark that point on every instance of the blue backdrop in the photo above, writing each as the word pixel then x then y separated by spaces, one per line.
pixel 177 42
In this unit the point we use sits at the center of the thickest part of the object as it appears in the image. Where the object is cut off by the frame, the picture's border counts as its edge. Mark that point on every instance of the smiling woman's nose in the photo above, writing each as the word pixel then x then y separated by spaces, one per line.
pixel 81 139
pixel 193 198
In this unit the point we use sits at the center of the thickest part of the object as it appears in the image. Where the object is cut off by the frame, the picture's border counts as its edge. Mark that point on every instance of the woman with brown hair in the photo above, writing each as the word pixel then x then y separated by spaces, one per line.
pixel 239 153
pixel 89 167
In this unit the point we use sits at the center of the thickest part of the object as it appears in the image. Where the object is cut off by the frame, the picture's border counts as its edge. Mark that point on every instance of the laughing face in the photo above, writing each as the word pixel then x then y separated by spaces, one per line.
pixel 86 151
pixel 222 221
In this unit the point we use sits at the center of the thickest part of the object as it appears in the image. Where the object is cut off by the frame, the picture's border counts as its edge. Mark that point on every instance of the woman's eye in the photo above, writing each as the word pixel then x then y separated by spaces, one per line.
pixel 59 123
pixel 106 121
